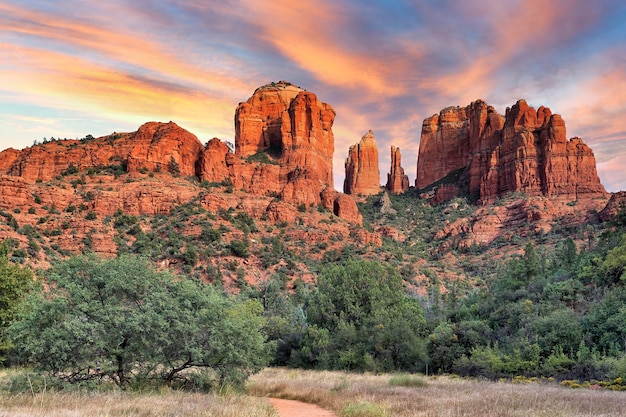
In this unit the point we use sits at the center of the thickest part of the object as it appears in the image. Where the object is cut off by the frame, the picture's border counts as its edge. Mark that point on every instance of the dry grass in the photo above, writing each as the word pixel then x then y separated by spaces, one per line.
pixel 117 404
pixel 442 396
pixel 138 405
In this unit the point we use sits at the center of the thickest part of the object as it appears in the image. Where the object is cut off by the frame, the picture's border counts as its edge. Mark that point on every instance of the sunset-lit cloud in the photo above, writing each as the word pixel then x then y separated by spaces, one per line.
pixel 111 66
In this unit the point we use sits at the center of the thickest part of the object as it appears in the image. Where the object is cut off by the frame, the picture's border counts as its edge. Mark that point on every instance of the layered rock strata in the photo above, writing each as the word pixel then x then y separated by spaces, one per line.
pixel 284 148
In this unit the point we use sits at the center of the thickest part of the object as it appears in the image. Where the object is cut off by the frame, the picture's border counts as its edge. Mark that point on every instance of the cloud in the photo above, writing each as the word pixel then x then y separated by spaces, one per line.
pixel 611 173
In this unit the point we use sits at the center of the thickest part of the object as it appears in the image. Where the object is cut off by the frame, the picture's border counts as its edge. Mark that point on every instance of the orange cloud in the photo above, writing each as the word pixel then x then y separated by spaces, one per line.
pixel 306 33
pixel 126 47
pixel 77 84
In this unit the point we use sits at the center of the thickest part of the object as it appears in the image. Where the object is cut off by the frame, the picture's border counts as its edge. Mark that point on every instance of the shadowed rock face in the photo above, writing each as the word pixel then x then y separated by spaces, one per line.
pixel 397 182
pixel 362 173
pixel 526 150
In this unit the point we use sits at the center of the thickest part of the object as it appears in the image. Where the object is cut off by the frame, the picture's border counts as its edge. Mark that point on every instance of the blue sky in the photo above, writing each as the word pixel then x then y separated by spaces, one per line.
pixel 70 68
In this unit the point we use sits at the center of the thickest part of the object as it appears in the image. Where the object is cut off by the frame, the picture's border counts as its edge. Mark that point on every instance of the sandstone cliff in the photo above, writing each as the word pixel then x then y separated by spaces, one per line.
pixel 362 173
pixel 397 182
pixel 291 126
pixel 526 150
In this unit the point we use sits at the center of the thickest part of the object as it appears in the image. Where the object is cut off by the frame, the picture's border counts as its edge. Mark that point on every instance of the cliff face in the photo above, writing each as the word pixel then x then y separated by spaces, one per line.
pixel 526 150
pixel 397 182
pixel 362 173
pixel 289 125
pixel 284 145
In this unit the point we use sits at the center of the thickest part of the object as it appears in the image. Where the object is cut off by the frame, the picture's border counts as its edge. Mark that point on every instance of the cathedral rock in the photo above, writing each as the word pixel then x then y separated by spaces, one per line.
pixel 362 173
pixel 526 150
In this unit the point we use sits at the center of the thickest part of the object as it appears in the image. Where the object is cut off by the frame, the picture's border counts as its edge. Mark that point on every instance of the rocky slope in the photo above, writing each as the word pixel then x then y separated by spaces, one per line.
pixel 362 173
pixel 526 150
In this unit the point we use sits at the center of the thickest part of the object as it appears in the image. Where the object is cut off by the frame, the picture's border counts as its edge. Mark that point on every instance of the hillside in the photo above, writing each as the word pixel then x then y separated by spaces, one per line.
pixel 267 207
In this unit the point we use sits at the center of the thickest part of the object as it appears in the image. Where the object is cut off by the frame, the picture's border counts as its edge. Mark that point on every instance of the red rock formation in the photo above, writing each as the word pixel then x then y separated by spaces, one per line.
pixel 258 121
pixel 48 160
pixel 397 182
pixel 444 145
pixel 342 205
pixel 362 173
pixel 616 203
pixel 8 158
pixel 445 192
pixel 213 166
pixel 292 126
pixel 284 147
pixel 155 146
pixel 165 147
pixel 284 125
pixel 526 151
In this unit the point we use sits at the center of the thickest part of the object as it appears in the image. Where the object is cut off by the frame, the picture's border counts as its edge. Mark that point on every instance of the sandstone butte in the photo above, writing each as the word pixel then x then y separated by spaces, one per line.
pixel 397 182
pixel 362 173
pixel 284 147
pixel 526 150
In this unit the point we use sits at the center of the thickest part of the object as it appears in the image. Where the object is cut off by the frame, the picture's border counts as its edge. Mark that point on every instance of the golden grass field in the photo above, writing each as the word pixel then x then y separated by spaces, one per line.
pixel 359 395
pixel 350 395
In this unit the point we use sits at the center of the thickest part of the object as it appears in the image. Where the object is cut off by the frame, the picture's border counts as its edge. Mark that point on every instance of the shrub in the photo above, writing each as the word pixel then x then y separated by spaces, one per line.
pixel 364 409
pixel 240 248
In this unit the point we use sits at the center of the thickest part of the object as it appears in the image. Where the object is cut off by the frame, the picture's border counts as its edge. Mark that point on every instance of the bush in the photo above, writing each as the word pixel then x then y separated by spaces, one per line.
pixel 240 248
pixel 364 409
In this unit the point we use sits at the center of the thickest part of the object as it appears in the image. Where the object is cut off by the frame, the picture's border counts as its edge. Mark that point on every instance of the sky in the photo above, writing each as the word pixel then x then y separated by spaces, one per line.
pixel 69 68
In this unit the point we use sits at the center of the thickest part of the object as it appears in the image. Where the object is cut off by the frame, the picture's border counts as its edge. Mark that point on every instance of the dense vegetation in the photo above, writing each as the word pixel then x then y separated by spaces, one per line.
pixel 554 310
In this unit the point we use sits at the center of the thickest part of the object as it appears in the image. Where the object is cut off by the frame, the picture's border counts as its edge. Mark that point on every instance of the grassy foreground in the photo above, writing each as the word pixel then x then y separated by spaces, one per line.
pixel 117 404
pixel 350 395
pixel 359 395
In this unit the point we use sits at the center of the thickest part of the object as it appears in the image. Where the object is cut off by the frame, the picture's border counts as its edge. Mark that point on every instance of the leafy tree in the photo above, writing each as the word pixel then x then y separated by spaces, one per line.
pixel 121 320
pixel 614 266
pixel 15 283
pixel 372 323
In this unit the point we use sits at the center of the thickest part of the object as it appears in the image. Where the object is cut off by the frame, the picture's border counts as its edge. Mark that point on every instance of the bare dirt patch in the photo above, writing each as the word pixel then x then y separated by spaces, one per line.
pixel 292 408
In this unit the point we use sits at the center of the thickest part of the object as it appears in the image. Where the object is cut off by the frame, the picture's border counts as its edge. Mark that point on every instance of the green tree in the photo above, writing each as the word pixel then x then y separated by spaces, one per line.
pixel 372 323
pixel 121 320
pixel 15 283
